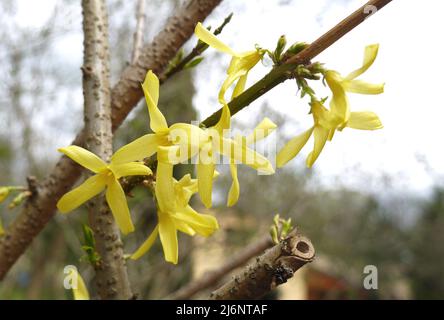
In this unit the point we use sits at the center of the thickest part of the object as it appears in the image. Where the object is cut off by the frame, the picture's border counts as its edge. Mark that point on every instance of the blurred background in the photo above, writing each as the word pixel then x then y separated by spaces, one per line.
pixel 372 198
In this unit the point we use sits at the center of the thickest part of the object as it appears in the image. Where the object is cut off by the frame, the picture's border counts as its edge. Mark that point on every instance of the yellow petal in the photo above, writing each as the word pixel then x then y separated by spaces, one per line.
pixel 209 38
pixel 185 228
pixel 139 149
pixel 232 77
pixel 146 246
pixel 240 86
pixel 339 104
pixel 186 181
pixel 364 121
pixel 76 197
pixel 370 54
pixel 184 189
pixel 203 224
pixel 130 169
pixel 238 151
pixel 205 174
pixel 320 138
pixel 292 148
pixel 331 133
pixel 224 122
pixel 233 194
pixel 168 237
pixel 115 196
pixel 151 90
pixel 262 130
pixel 80 292
pixel 362 87
pixel 84 157
pixel 188 137
pixel 244 61
pixel 164 184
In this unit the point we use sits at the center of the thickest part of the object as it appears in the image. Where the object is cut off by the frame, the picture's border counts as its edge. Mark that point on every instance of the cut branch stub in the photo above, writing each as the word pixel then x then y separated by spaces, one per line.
pixel 271 269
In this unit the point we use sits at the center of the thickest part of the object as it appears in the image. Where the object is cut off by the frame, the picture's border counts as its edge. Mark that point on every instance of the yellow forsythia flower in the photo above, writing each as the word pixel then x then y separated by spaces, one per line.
pixel 106 176
pixel 324 122
pixel 192 140
pixel 214 142
pixel 173 211
pixel 163 135
pixel 339 85
pixel 262 130
pixel 241 63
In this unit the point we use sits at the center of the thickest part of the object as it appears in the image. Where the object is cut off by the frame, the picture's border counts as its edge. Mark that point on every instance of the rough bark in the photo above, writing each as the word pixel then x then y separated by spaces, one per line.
pixel 271 269
pixel 111 272
pixel 125 95
pixel 213 277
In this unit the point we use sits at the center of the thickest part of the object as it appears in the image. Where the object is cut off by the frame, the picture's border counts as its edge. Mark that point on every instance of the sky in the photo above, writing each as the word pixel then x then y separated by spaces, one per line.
pixel 407 152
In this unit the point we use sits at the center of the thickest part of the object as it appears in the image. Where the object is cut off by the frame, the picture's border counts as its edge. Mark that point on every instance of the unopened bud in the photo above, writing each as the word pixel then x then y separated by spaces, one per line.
pixel 297 47
pixel 280 46
pixel 19 199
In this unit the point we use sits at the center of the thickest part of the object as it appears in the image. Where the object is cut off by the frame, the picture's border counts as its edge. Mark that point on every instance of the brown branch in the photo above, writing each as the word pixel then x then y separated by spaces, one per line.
pixel 125 95
pixel 269 270
pixel 213 277
pixel 111 272
pixel 138 34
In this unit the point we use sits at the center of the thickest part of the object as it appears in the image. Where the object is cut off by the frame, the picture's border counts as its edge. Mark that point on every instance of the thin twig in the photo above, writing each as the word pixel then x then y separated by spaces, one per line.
pixel 138 33
pixel 269 270
pixel 197 51
pixel 211 278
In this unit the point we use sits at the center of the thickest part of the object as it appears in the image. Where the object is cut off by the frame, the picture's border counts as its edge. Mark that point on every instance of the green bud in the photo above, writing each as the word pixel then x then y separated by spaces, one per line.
pixel 274 234
pixel 176 60
pixel 89 246
pixel 297 47
pixel 18 200
pixel 317 67
pixel 88 235
pixel 276 220
pixel 193 63
pixel 286 227
pixel 280 46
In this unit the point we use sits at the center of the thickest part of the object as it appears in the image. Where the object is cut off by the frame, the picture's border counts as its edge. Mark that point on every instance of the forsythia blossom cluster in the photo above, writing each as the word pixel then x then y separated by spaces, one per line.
pixel 327 121
pixel 179 142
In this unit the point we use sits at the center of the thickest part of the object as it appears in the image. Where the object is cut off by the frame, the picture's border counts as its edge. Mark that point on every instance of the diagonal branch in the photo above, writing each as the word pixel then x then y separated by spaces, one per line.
pixel 111 272
pixel 213 277
pixel 125 95
pixel 269 270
